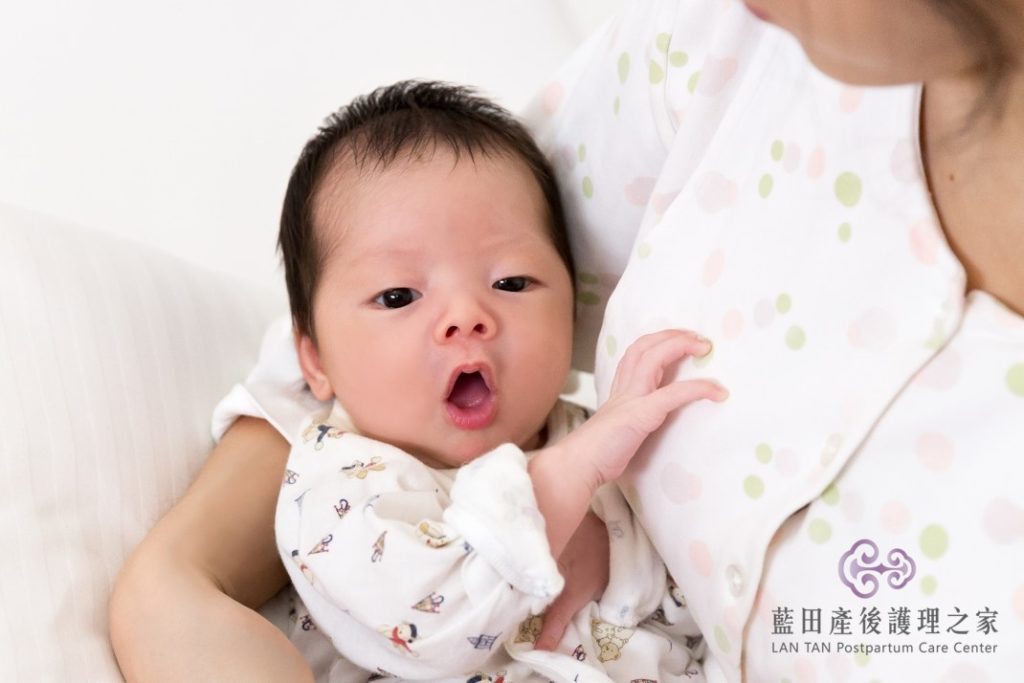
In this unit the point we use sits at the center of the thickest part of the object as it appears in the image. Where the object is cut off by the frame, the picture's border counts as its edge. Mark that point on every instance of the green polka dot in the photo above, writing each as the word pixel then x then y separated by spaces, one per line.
pixel 795 337
pixel 623 67
pixel 861 659
pixel 764 186
pixel 655 74
pixel 929 584
pixel 661 42
pixel 704 360
pixel 678 58
pixel 723 642
pixel 819 530
pixel 763 453
pixel 845 232
pixel 1015 379
pixel 643 250
pixel 588 298
pixel 581 151
pixel 783 303
pixel 691 84
pixel 830 496
pixel 615 106
pixel 848 188
pixel 777 149
pixel 588 187
pixel 934 541
pixel 938 338
pixel 753 487
pixel 588 278
pixel 610 345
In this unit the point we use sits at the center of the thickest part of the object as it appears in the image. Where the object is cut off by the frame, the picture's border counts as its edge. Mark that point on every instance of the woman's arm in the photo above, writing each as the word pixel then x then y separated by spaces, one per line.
pixel 182 608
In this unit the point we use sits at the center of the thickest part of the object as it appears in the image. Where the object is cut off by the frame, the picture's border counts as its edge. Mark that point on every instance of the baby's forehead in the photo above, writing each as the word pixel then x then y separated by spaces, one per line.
pixel 350 177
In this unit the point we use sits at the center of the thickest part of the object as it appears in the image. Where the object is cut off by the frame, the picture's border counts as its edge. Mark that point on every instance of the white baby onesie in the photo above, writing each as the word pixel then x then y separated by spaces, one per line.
pixel 425 574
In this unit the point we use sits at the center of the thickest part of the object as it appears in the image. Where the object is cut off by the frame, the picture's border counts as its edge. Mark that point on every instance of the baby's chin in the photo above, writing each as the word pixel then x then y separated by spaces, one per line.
pixel 469 446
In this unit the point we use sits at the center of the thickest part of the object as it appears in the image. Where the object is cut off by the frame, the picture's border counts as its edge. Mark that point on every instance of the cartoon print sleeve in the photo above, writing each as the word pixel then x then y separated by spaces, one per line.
pixel 405 571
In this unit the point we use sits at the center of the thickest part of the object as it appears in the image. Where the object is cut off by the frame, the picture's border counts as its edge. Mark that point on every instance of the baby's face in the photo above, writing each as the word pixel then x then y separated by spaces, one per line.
pixel 444 313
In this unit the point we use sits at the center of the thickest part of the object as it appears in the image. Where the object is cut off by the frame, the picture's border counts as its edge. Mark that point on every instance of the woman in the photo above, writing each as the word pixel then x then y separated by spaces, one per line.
pixel 853 252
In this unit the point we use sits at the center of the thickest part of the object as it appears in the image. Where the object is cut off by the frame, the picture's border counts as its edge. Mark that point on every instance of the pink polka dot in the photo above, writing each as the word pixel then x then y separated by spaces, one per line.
pixel 1018 602
pixel 874 330
pixel 552 97
pixel 903 161
pixel 850 99
pixel 662 200
pixel 764 313
pixel 700 557
pixel 715 192
pixel 816 163
pixel 895 517
pixel 638 190
pixel 715 75
pixel 731 620
pixel 942 373
pixel 564 157
pixel 1004 521
pixel 851 407
pixel 679 484
pixel 791 158
pixel 852 505
pixel 924 242
pixel 840 667
pixel 678 115
pixel 964 671
pixel 805 671
pixel 713 266
pixel 732 324
pixel 935 451
pixel 786 462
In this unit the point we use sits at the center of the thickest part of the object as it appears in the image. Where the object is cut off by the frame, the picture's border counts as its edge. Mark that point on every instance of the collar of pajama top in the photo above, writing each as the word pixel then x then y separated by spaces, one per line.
pixel 788 219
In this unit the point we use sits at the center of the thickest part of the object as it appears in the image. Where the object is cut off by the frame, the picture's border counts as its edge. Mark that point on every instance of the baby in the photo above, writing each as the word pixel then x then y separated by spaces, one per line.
pixel 432 297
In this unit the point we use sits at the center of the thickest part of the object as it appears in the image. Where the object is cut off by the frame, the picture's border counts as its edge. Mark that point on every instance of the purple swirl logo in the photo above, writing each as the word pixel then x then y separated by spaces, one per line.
pixel 861 571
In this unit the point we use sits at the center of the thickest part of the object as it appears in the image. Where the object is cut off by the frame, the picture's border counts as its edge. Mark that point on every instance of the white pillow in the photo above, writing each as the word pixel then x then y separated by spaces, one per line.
pixel 112 356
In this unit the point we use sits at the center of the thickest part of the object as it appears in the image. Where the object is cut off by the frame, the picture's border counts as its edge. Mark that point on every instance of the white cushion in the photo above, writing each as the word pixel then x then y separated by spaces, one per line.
pixel 112 356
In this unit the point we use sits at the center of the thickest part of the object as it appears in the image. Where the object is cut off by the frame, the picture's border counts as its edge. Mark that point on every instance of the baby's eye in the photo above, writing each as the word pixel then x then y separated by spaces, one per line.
pixel 513 284
pixel 397 297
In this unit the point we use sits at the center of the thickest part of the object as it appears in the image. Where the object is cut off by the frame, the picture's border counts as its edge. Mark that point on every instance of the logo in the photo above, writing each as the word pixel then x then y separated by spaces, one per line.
pixel 861 571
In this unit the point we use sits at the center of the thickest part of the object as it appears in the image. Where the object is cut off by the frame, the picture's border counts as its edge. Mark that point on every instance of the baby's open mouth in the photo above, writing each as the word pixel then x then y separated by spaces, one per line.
pixel 470 402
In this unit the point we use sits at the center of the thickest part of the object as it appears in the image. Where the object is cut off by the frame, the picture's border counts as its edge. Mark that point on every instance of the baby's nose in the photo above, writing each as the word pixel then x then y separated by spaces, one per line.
pixel 467 318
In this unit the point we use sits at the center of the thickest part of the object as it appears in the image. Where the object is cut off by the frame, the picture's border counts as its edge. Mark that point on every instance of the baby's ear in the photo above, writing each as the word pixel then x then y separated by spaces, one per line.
pixel 312 370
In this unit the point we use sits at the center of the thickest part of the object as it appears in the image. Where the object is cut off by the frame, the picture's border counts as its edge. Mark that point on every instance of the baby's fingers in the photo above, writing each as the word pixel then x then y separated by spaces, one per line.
pixel 678 394
pixel 642 367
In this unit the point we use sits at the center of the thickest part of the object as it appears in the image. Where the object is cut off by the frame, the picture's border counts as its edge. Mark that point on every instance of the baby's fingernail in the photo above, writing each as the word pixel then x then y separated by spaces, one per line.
pixel 706 343
pixel 723 393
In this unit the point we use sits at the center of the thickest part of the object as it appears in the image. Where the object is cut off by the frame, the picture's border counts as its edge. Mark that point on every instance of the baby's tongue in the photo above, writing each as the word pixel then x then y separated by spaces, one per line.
pixel 469 390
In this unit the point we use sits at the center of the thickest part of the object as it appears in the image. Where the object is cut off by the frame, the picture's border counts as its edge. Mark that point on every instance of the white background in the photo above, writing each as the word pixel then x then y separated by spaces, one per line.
pixel 177 123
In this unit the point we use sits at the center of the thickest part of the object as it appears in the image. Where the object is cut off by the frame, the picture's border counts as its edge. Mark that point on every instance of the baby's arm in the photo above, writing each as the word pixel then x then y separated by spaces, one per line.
pixel 402 573
pixel 567 474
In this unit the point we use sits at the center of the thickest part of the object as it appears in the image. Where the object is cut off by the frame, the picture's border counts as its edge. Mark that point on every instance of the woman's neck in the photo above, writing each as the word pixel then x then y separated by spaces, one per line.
pixel 975 166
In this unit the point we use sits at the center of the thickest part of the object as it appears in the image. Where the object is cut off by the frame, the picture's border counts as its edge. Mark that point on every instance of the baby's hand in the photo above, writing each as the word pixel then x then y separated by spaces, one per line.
pixel 638 403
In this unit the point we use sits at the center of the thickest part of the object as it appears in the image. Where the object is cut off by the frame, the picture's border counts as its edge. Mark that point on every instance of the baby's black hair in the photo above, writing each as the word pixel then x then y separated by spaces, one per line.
pixel 408 119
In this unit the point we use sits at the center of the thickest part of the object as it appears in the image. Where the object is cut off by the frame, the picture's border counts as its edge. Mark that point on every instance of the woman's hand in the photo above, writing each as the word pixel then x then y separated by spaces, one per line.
pixel 584 565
